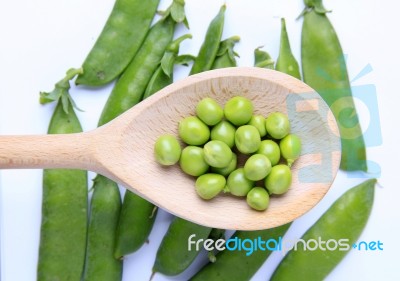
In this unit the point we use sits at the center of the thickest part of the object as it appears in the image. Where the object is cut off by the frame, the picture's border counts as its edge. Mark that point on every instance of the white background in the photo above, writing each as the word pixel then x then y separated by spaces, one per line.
pixel 41 39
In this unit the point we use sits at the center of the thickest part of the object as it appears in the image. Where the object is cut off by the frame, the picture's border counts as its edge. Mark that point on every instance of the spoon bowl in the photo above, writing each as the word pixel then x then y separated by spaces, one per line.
pixel 122 150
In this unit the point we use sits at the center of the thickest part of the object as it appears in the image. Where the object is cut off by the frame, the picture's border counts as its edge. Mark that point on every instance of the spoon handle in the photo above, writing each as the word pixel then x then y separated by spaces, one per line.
pixel 47 151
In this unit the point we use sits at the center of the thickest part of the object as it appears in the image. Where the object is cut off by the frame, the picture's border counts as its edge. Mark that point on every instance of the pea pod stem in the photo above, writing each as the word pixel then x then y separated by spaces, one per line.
pixel 317 6
pixel 226 54
pixel 64 211
pixel 324 69
pixel 61 91
pixel 343 221
pixel 168 60
pixel 163 76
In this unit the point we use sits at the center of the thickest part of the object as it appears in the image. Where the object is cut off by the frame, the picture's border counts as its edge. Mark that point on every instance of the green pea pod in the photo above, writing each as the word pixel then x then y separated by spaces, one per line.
pixel 137 215
pixel 286 62
pixel 131 86
pixel 64 211
pixel 134 224
pixel 263 59
pixel 104 211
pixel 126 93
pixel 343 222
pixel 324 69
pixel 173 255
pixel 121 38
pixel 236 265
pixel 226 55
pixel 163 76
pixel 209 48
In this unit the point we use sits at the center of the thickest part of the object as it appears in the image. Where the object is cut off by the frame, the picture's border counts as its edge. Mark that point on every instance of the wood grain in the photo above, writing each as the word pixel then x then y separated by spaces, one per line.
pixel 123 149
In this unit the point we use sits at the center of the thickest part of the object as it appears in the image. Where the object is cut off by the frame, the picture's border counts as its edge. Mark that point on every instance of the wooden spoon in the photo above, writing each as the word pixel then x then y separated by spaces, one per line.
pixel 122 150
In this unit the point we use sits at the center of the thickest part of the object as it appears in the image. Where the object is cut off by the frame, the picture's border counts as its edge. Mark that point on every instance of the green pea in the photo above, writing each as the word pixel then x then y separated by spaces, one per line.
pixel 270 149
pixel 290 148
pixel 209 111
pixel 247 139
pixel 238 110
pixel 279 179
pixel 209 185
pixel 193 131
pixel 224 131
pixel 258 198
pixel 238 184
pixel 277 125
pixel 167 150
pixel 228 169
pixel 257 167
pixel 258 121
pixel 217 154
pixel 192 161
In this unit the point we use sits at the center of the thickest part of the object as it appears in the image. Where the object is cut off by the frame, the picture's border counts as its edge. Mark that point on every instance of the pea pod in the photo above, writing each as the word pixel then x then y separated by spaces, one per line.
pixel 324 69
pixel 226 55
pixel 64 208
pixel 343 223
pixel 235 265
pixel 286 62
pixel 106 195
pixel 104 211
pixel 263 59
pixel 137 215
pixel 119 41
pixel 209 48
pixel 173 256
pixel 130 87
pixel 163 76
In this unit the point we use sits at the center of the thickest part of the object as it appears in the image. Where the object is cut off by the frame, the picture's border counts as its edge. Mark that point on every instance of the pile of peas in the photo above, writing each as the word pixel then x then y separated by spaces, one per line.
pixel 217 137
